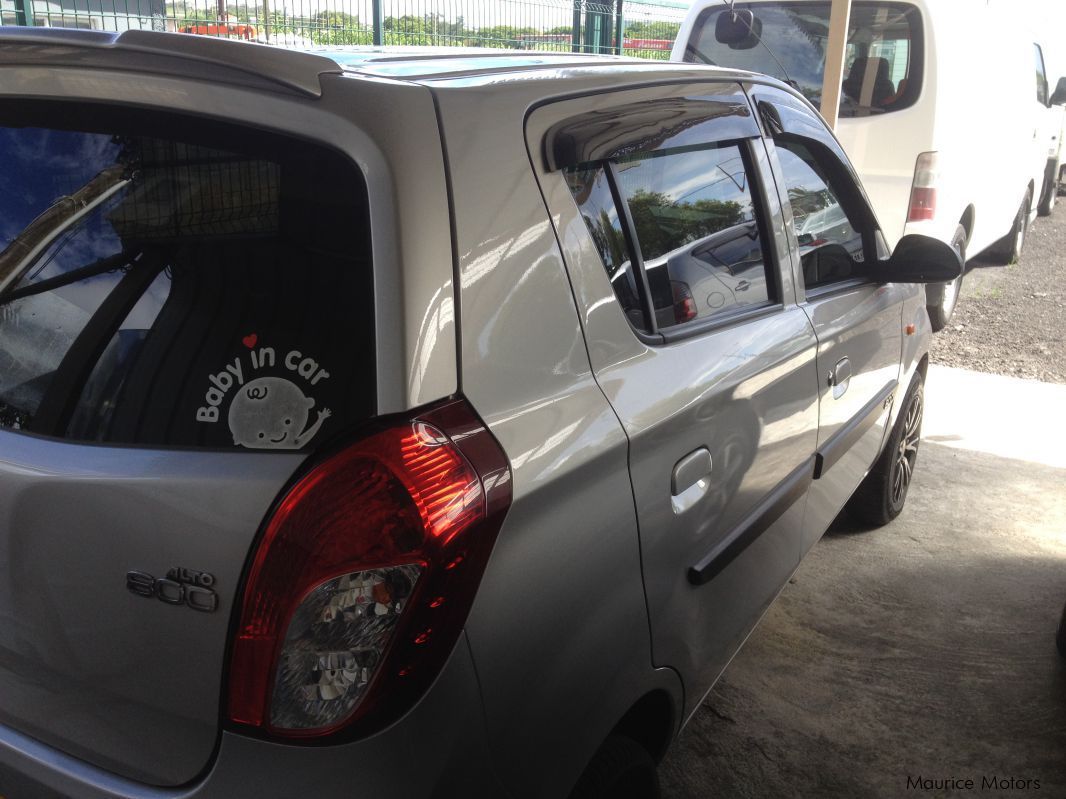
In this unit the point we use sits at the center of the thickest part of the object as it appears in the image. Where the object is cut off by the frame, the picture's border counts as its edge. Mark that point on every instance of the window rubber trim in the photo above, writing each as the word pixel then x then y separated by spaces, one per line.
pixel 636 257
pixel 830 289
pixel 720 321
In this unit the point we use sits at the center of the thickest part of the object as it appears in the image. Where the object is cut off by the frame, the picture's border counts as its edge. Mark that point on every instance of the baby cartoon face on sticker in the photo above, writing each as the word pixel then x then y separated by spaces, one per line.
pixel 271 413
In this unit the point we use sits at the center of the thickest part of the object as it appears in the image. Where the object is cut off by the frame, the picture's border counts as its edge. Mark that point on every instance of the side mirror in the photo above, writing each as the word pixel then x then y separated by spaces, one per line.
pixel 1059 97
pixel 738 29
pixel 920 259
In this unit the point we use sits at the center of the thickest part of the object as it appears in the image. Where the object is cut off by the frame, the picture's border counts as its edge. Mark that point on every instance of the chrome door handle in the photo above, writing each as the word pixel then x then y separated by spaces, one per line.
pixel 689 482
pixel 840 377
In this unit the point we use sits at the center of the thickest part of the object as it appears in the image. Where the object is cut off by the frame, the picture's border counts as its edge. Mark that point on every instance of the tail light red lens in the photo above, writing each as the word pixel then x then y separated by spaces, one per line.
pixel 364 576
pixel 684 304
pixel 923 189
pixel 923 205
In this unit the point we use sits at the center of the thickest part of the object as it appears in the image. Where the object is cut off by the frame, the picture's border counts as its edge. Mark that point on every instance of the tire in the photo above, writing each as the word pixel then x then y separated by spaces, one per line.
pixel 1009 248
pixel 941 298
pixel 881 495
pixel 620 769
pixel 1050 195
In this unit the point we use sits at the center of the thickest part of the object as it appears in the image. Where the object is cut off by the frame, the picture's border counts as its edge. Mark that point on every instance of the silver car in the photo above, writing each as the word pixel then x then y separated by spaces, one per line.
pixel 350 445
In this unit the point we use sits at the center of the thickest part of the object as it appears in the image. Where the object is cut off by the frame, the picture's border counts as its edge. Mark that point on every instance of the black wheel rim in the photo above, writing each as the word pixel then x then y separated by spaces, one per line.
pixel 907 451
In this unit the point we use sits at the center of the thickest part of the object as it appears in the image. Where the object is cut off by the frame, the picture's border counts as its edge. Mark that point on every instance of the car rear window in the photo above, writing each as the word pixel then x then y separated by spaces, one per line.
pixel 882 63
pixel 169 281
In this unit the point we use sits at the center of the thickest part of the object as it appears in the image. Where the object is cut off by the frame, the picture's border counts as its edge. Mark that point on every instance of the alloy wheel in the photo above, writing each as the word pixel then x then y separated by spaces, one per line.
pixel 907 452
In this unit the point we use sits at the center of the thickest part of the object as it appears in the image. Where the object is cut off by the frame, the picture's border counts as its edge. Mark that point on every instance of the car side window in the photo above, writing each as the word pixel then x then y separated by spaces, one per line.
pixel 695 226
pixel 591 189
pixel 830 240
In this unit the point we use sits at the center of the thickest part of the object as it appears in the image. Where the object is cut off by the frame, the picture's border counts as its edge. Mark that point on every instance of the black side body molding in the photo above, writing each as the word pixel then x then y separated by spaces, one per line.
pixel 844 439
pixel 768 511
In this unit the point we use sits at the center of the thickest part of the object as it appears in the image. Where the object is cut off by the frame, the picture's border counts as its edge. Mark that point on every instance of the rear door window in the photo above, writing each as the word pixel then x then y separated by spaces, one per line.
pixel 694 223
pixel 883 60
pixel 173 282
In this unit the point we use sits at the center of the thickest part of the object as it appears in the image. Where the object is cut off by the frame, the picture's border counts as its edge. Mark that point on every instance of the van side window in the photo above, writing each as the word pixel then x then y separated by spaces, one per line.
pixel 830 242
pixel 696 225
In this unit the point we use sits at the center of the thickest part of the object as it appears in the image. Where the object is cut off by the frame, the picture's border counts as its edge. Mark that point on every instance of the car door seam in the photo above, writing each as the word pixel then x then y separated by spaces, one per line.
pixel 851 431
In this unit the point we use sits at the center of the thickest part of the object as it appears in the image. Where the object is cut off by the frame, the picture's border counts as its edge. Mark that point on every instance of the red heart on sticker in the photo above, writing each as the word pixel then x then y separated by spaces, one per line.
pixel 250 339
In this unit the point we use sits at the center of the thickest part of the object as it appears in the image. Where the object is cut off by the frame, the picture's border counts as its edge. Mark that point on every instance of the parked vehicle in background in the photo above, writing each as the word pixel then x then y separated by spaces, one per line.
pixel 947 144
pixel 336 459
pixel 1055 126
pixel 235 30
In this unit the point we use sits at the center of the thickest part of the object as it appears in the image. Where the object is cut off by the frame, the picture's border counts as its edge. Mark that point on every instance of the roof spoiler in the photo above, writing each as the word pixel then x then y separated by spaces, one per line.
pixel 295 70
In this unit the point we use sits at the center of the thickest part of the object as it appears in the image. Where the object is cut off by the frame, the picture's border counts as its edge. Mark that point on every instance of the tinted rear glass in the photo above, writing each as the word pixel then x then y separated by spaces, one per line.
pixel 166 281
pixel 882 63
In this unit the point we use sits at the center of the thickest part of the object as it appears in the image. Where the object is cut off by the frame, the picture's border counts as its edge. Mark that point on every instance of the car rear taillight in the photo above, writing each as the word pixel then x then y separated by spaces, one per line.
pixel 684 304
pixel 923 190
pixel 364 576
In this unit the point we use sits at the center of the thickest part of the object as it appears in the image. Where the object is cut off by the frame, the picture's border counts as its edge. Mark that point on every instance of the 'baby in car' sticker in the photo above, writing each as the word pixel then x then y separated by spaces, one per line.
pixel 267 411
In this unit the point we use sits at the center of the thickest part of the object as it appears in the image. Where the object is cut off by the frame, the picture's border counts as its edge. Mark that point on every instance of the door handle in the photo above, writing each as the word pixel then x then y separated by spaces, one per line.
pixel 840 377
pixel 689 482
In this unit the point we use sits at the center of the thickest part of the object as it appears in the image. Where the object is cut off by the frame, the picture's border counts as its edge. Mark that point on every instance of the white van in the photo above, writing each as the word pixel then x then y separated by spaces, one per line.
pixel 1047 64
pixel 939 111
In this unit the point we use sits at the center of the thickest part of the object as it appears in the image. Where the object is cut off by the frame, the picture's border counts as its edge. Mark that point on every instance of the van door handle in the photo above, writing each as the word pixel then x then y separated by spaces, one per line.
pixel 840 377
pixel 689 482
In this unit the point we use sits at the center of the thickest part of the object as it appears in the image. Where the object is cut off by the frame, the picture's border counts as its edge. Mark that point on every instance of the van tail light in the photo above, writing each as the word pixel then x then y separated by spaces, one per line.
pixel 364 575
pixel 923 190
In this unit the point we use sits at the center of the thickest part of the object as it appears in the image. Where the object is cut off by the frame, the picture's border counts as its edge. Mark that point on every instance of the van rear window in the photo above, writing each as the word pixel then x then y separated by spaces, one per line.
pixel 168 281
pixel 882 64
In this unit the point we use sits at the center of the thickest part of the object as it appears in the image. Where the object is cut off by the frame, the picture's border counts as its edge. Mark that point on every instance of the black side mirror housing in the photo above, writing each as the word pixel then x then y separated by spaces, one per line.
pixel 738 29
pixel 920 259
pixel 1059 97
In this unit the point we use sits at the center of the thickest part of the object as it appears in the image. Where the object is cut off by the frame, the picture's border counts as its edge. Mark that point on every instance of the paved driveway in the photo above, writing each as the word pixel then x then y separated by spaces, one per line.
pixel 924 650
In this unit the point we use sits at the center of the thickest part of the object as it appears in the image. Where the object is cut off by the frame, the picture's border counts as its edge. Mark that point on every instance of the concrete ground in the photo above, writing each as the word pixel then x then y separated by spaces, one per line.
pixel 1011 319
pixel 925 649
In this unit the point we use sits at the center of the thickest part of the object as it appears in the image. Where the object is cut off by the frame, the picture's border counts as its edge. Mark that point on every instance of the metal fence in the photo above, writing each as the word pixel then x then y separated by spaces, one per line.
pixel 644 28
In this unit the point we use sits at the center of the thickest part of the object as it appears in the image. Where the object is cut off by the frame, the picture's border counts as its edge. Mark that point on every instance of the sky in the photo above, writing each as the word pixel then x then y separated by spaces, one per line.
pixel 1049 26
